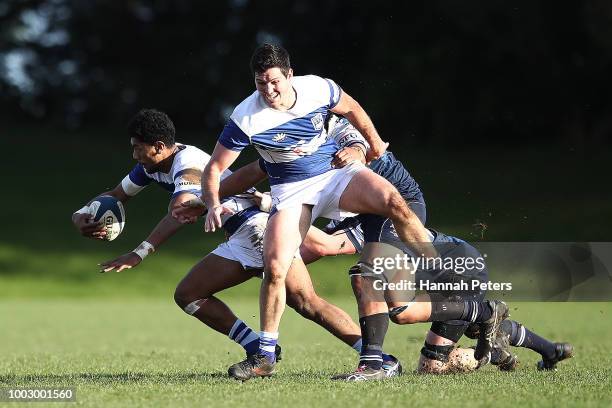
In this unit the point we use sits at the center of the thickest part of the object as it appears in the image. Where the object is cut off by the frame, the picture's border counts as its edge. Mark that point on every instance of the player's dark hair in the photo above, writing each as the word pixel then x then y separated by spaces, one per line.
pixel 150 126
pixel 268 56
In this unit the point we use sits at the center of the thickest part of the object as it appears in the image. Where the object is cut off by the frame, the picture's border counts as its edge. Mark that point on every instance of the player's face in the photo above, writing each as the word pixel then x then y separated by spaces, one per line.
pixel 275 88
pixel 145 154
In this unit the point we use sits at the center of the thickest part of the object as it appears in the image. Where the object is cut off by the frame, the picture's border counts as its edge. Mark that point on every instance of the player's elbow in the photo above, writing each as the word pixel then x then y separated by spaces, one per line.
pixel 312 250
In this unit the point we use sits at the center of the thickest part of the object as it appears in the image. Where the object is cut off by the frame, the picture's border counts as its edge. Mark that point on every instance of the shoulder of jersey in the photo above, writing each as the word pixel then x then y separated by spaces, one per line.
pixel 190 157
pixel 253 116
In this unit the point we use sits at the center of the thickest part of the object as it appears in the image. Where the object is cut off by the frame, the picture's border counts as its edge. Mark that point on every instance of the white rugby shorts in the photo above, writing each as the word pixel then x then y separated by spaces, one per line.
pixel 246 244
pixel 322 192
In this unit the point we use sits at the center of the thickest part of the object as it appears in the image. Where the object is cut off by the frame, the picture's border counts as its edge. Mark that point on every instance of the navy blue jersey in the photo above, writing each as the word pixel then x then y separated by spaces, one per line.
pixel 344 134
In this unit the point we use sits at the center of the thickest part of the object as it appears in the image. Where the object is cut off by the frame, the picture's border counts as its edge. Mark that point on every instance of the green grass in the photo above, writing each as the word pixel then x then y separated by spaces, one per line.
pixel 121 341
pixel 146 352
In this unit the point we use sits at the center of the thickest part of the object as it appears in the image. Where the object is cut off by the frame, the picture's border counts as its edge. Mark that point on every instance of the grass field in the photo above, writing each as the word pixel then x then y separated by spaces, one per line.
pixel 148 353
pixel 121 341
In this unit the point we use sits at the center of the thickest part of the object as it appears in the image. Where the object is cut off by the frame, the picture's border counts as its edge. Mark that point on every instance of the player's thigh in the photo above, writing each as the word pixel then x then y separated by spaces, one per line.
pixel 284 233
pixel 367 192
pixel 211 275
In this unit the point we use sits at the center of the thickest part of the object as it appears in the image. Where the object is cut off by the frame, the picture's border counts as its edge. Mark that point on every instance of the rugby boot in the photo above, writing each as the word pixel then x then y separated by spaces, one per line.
pixel 392 366
pixel 562 352
pixel 488 331
pixel 501 356
pixel 256 365
pixel 363 373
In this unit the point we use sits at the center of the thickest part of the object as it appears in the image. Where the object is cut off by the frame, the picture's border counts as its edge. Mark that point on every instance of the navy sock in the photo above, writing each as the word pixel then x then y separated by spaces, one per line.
pixel 373 331
pixel 523 337
pixel 476 311
pixel 357 347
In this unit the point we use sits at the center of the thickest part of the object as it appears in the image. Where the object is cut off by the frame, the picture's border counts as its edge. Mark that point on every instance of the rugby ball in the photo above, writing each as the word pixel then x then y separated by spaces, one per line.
pixel 110 211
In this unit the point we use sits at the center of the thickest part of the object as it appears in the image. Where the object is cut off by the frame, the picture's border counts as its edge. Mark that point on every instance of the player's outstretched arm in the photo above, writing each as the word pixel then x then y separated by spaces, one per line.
pixel 165 229
pixel 83 221
pixel 221 159
pixel 350 109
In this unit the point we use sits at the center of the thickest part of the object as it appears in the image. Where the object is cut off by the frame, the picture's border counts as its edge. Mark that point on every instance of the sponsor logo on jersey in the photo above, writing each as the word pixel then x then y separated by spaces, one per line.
pixel 317 121
pixel 279 137
pixel 347 138
pixel 187 183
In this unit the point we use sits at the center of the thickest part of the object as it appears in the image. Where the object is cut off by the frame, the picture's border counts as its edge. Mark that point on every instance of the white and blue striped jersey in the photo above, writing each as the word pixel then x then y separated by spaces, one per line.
pixel 293 143
pixel 189 161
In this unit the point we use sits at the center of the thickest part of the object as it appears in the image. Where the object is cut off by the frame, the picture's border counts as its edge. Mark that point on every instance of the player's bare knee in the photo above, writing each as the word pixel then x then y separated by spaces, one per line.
pixel 181 297
pixel 396 206
pixel 192 307
pixel 275 271
pixel 274 279
pixel 184 296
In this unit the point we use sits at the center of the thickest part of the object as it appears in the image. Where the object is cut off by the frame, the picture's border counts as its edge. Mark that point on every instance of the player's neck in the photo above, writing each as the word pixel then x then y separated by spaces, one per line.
pixel 165 164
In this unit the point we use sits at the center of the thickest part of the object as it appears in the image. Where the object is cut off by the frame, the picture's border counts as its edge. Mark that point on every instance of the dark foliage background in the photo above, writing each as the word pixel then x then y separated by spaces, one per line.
pixel 435 73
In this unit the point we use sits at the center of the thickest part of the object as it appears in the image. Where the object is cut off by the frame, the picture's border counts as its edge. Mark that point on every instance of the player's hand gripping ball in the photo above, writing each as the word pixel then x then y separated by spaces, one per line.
pixel 110 212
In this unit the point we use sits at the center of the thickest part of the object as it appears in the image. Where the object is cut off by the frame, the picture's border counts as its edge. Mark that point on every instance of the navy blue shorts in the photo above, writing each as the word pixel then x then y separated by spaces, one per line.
pixel 354 229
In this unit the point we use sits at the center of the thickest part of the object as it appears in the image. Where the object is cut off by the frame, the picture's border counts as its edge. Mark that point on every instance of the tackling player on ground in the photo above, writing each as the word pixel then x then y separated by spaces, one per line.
pixel 438 354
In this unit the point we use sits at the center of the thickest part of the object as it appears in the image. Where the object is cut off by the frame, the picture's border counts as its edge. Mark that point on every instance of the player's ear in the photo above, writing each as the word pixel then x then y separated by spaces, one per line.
pixel 159 146
pixel 290 73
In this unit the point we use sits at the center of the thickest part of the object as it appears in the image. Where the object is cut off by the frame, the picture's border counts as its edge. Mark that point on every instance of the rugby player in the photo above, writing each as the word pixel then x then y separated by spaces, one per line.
pixel 442 337
pixel 284 120
pixel 489 314
pixel 177 168
pixel 438 355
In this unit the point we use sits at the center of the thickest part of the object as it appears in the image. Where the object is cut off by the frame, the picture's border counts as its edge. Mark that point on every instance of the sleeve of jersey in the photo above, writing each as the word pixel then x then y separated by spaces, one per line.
pixel 335 92
pixel 349 136
pixel 134 182
pixel 233 137
pixel 188 181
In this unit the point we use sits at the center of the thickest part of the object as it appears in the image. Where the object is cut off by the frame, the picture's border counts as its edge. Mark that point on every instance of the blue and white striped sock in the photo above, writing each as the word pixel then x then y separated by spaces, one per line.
pixel 243 335
pixel 267 345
